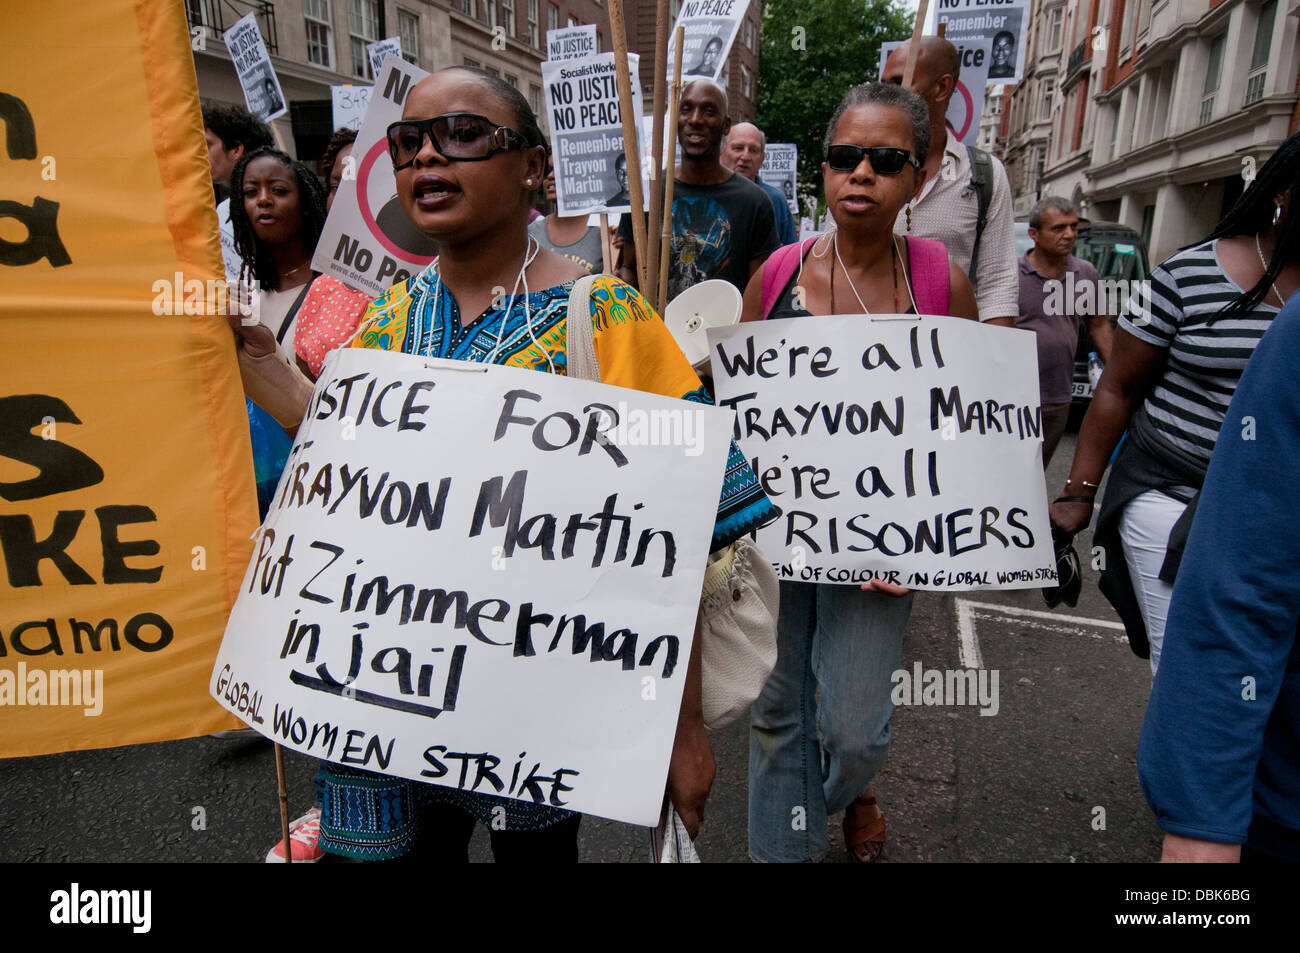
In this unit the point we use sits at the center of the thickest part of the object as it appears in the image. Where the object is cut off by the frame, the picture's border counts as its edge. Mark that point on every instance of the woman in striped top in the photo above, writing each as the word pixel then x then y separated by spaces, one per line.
pixel 1182 347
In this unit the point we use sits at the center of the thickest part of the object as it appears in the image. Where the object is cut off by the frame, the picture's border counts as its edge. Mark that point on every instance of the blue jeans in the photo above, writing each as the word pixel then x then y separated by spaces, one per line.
pixel 819 732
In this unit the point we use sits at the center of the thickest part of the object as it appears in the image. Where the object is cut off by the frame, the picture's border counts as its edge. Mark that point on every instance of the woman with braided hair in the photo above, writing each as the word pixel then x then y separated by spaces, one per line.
pixel 1180 349
pixel 277 211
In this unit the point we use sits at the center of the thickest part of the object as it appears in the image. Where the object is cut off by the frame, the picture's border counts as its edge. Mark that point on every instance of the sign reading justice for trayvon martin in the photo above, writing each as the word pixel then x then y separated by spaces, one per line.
pixel 368 243
pixel 511 618
pixel 711 27
pixel 904 448
pixel 256 74
pixel 1003 23
pixel 587 145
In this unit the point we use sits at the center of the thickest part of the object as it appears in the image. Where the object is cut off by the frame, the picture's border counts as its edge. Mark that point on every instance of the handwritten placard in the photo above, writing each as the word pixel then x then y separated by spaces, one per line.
pixel 908 450
pixel 481 577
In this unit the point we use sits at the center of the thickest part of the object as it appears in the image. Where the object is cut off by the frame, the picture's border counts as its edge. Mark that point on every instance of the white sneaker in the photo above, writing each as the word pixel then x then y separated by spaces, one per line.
pixel 303 835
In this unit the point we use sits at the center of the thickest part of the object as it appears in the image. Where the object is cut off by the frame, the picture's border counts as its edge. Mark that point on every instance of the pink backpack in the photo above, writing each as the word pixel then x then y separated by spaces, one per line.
pixel 928 268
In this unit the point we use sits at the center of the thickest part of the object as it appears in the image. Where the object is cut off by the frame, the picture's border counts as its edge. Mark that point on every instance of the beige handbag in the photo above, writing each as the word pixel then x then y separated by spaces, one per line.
pixel 740 596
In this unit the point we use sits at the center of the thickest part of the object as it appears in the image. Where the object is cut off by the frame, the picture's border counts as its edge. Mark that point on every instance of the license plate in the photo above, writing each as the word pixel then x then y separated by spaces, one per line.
pixel 1081 389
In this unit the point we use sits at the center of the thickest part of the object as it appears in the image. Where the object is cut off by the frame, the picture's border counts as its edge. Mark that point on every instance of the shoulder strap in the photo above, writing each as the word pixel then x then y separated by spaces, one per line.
pixel 930 279
pixel 981 180
pixel 778 269
pixel 293 310
pixel 579 345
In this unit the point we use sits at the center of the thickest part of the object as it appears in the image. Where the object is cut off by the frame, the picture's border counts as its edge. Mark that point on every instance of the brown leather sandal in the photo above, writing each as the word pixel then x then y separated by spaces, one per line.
pixel 864 838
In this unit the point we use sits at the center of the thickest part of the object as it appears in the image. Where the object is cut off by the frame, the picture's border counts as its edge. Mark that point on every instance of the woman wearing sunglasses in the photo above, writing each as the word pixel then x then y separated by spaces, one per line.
pixel 468 158
pixel 820 730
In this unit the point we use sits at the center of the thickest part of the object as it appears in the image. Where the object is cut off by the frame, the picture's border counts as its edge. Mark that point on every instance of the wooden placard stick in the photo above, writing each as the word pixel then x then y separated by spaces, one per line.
pixel 284 804
pixel 658 104
pixel 913 48
pixel 607 253
pixel 661 293
pixel 617 27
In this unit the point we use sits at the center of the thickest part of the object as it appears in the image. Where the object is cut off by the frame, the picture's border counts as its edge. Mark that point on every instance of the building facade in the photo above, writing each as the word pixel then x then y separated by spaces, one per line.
pixel 1167 107
pixel 315 44
pixel 1031 103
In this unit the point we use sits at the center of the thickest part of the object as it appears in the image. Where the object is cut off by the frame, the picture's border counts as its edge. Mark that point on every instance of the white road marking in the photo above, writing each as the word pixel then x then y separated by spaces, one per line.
pixel 969 645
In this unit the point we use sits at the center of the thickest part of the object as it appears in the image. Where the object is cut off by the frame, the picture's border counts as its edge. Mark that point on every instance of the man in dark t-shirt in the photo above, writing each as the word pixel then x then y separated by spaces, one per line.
pixel 723 226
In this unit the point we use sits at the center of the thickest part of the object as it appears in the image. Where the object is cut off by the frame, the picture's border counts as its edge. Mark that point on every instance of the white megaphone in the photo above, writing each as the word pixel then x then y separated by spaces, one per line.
pixel 710 304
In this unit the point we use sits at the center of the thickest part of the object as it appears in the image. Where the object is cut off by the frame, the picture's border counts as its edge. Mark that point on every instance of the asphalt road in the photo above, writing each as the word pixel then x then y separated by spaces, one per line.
pixel 1023 785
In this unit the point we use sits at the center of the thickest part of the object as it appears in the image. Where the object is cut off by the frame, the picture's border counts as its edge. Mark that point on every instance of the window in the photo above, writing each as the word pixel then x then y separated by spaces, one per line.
pixel 535 98
pixel 508 17
pixel 552 17
pixel 363 24
pixel 749 33
pixel 1259 58
pixel 487 12
pixel 408 29
pixel 473 64
pixel 1114 132
pixel 492 71
pixel 573 21
pixel 745 88
pixel 1212 71
pixel 466 7
pixel 512 80
pixel 534 40
pixel 1054 29
pixel 318 33
pixel 1045 104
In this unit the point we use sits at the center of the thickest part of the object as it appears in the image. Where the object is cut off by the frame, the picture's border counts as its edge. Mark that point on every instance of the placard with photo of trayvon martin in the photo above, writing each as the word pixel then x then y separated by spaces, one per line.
pixel 1005 25
pixel 588 149
pixel 257 76
pixel 780 169
pixel 710 29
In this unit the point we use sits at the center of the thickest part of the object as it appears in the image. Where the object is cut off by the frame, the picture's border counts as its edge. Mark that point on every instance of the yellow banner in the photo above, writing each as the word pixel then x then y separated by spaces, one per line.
pixel 126 480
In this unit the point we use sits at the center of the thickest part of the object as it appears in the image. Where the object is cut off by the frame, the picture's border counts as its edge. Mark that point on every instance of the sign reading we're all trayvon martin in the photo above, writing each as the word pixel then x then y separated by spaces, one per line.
pixel 897 448
pixel 513 617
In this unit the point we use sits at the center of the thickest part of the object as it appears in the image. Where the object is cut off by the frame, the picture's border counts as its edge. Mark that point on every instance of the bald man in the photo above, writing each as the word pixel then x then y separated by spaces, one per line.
pixel 743 152
pixel 723 226
pixel 948 208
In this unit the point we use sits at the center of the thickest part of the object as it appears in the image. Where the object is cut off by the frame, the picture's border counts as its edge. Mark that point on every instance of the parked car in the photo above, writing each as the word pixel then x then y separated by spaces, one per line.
pixel 1119 254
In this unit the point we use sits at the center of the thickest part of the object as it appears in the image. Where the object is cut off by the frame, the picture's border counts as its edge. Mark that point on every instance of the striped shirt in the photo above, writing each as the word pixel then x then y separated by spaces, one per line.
pixel 1206 354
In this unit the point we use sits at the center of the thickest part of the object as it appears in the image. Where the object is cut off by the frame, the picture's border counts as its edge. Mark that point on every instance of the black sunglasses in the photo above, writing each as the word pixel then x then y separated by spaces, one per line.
pixel 885 160
pixel 458 137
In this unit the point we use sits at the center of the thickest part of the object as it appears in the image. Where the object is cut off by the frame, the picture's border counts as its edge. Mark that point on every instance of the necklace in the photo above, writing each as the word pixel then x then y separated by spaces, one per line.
pixel 893 271
pixel 1260 251
pixel 290 274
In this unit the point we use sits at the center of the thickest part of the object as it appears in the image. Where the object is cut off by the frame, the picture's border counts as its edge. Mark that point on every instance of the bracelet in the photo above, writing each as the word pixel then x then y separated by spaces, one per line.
pixel 1085 483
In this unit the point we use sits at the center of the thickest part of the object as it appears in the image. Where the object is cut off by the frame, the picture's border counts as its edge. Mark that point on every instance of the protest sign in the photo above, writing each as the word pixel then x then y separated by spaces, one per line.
pixel 967 101
pixel 126 481
pixel 1004 24
pixel 257 76
pixel 378 50
pixel 901 447
pixel 481 577
pixel 572 43
pixel 780 169
pixel 587 145
pixel 368 243
pixel 350 104
pixel 711 27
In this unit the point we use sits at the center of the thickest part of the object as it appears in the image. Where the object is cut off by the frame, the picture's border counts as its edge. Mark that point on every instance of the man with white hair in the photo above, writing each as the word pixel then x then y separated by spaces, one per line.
pixel 722 226
pixel 743 151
